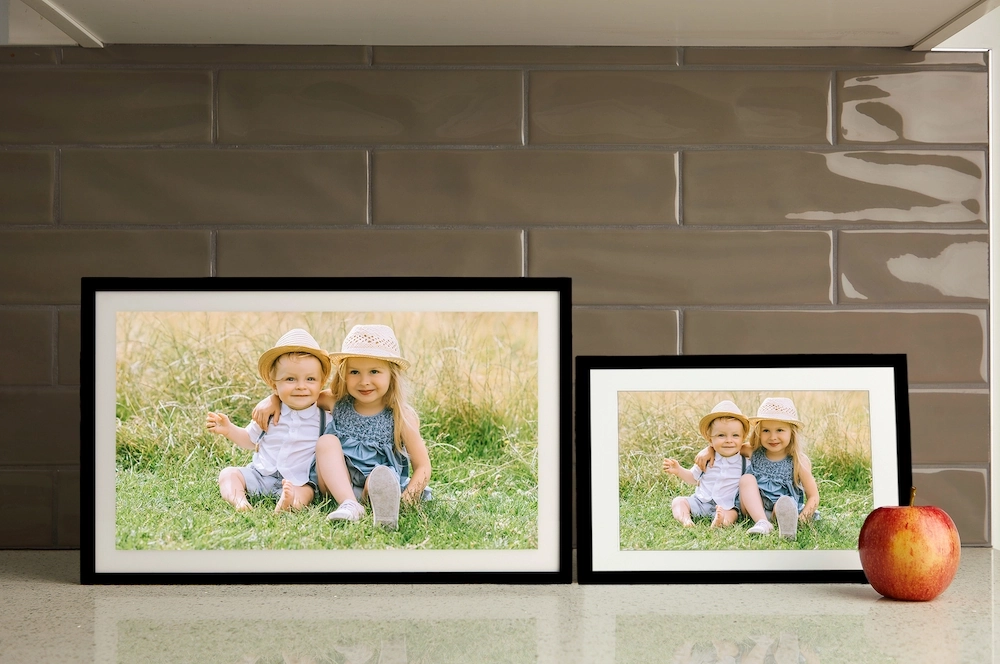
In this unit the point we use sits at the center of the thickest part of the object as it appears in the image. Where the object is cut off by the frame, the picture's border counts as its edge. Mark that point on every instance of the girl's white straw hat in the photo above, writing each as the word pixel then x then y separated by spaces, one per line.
pixel 295 340
pixel 723 409
pixel 779 409
pixel 373 341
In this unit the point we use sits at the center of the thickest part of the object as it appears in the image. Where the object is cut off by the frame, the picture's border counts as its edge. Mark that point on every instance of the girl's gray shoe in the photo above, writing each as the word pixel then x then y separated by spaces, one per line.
pixel 786 513
pixel 383 493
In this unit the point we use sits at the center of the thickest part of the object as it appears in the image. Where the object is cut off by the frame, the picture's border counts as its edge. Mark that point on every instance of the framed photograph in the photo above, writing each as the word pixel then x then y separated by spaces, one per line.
pixel 797 450
pixel 408 430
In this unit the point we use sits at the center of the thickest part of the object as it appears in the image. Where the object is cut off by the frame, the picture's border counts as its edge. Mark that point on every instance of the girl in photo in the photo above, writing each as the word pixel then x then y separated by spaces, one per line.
pixel 781 485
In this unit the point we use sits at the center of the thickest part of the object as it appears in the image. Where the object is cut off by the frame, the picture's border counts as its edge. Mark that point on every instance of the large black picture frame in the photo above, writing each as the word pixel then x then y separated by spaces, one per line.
pixel 541 306
pixel 626 532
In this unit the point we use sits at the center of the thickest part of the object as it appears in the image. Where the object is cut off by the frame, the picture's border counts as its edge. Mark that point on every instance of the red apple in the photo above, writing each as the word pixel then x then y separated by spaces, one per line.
pixel 909 552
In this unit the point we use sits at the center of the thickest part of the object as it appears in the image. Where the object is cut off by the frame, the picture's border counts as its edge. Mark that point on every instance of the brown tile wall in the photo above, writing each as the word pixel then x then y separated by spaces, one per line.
pixel 705 200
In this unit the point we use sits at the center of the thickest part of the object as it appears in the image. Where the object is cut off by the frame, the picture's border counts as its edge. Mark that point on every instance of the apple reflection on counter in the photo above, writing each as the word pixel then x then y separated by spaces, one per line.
pixel 372 630
pixel 733 639
pixel 781 624
pixel 786 639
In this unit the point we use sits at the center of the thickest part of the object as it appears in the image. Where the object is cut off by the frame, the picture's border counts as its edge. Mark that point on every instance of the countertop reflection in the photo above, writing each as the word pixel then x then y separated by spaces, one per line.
pixel 46 616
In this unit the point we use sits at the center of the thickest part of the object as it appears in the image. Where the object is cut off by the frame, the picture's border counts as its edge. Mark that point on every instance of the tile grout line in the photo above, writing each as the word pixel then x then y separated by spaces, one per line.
pixel 214 132
pixel 524 107
pixel 213 252
pixel 524 252
pixel 54 476
pixel 678 188
pixel 57 187
pixel 54 345
pixel 832 123
pixel 834 267
pixel 680 331
pixel 369 184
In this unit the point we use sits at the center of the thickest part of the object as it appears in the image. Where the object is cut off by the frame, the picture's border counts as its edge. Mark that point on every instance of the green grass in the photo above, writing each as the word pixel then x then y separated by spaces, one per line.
pixel 657 425
pixel 473 382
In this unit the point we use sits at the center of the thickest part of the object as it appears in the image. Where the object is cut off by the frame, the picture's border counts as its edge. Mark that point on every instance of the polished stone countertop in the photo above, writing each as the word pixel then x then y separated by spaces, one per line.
pixel 46 616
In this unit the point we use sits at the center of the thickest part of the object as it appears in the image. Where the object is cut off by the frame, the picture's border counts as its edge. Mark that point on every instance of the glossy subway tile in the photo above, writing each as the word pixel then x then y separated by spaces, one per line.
pixel 27 187
pixel 746 187
pixel 371 106
pixel 29 412
pixel 68 510
pixel 369 253
pixel 624 332
pixel 915 266
pixel 913 107
pixel 26 348
pixel 962 493
pixel 68 347
pixel 680 107
pixel 636 267
pixel 52 262
pixel 941 346
pixel 50 106
pixel 507 187
pixel 950 427
pixel 26 508
pixel 217 187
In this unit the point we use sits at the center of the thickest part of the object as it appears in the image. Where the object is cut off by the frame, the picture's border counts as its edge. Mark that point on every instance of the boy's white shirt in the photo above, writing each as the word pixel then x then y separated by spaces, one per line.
pixel 721 481
pixel 289 446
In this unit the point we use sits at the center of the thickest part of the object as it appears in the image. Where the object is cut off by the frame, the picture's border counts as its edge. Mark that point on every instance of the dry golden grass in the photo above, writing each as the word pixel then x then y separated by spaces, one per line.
pixel 833 421
pixel 477 354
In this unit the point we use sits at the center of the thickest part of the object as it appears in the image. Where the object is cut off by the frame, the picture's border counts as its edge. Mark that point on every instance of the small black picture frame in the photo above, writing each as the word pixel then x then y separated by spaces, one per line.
pixel 489 367
pixel 634 412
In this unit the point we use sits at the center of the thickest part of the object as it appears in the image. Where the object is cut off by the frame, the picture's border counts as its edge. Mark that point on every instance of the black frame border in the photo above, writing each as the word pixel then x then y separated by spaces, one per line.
pixel 584 364
pixel 91 286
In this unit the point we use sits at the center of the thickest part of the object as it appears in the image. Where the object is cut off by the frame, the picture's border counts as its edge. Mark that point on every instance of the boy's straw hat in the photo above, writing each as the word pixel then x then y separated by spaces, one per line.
pixel 374 341
pixel 780 409
pixel 293 341
pixel 723 409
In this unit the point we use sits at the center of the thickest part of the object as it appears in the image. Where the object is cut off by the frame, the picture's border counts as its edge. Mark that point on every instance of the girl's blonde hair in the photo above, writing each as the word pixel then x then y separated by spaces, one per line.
pixel 395 398
pixel 794 449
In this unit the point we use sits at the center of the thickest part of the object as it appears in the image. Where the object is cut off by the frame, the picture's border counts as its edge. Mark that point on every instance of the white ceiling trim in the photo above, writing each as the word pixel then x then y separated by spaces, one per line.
pixel 60 18
pixel 956 25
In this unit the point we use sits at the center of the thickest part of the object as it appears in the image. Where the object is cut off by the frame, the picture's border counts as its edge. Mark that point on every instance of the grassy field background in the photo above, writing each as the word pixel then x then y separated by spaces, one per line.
pixel 473 381
pixel 655 425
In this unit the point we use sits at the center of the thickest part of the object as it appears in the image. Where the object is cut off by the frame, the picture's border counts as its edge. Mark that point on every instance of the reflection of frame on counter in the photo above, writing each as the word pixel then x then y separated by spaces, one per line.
pixel 510 336
pixel 376 625
pixel 632 412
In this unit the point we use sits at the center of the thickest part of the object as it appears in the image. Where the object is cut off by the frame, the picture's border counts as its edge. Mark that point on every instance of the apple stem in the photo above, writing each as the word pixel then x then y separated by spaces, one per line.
pixel 913 495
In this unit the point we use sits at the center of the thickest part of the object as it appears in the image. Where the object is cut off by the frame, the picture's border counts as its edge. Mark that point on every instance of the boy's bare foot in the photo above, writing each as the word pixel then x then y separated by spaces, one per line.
pixel 286 501
pixel 718 521
pixel 236 499
pixel 687 523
